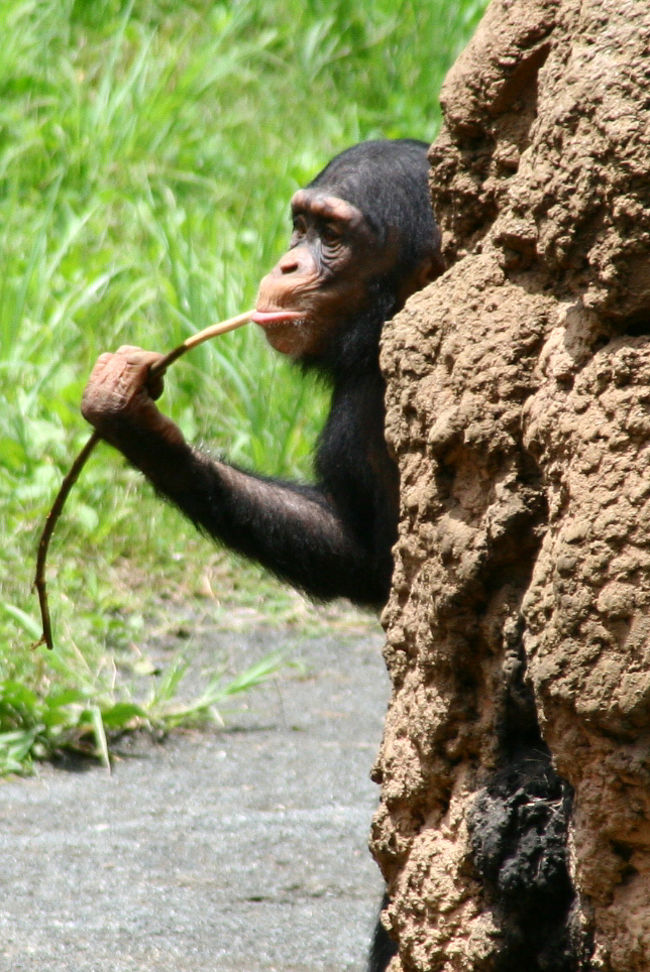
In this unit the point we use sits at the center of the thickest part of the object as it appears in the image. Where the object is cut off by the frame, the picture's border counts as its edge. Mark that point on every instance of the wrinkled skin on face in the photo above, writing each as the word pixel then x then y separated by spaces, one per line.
pixel 322 280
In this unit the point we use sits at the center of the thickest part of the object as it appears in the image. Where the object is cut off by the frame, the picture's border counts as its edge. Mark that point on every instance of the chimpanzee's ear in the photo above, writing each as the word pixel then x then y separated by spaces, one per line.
pixel 430 268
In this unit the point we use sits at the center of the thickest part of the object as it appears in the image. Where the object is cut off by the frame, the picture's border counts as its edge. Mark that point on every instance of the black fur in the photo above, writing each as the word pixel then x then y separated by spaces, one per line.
pixel 382 948
pixel 518 830
pixel 388 182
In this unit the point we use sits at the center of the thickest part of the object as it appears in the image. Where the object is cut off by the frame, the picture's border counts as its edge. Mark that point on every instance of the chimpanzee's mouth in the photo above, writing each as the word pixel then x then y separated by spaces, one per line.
pixel 268 318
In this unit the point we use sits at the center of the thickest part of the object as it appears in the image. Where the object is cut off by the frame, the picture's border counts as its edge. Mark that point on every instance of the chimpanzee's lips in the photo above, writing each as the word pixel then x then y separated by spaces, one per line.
pixel 275 316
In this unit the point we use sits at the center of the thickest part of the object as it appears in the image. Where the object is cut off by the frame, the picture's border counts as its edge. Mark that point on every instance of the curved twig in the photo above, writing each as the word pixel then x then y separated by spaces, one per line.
pixel 71 477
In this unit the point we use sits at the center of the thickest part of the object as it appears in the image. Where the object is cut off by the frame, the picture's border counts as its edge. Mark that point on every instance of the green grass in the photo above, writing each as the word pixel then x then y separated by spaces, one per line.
pixel 147 153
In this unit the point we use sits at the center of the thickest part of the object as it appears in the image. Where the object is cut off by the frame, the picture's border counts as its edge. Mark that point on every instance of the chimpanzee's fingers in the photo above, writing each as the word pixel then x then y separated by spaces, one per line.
pixel 140 359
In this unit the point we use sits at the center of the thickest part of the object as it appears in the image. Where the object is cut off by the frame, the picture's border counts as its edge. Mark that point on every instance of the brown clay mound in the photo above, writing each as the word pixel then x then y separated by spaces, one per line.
pixel 514 826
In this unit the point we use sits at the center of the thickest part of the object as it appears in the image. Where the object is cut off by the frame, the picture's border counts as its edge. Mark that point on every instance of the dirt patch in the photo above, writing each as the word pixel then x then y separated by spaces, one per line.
pixel 236 850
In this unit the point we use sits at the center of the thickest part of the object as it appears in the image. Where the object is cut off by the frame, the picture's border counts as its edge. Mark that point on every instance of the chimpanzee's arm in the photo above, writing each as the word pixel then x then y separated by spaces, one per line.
pixel 297 532
pixel 292 530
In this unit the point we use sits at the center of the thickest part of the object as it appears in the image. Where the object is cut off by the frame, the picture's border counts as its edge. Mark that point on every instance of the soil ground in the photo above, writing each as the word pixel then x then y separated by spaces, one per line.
pixel 242 850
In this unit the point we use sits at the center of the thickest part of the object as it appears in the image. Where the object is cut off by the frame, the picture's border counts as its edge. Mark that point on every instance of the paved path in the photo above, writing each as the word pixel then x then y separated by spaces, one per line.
pixel 235 851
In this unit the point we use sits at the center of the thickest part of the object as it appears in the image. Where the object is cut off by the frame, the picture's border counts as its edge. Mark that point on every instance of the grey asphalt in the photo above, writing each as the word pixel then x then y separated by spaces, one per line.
pixel 242 850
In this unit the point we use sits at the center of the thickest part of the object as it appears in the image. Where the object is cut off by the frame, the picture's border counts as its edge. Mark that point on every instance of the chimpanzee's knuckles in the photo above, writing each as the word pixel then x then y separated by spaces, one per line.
pixel 117 387
pixel 103 396
pixel 137 357
pixel 141 362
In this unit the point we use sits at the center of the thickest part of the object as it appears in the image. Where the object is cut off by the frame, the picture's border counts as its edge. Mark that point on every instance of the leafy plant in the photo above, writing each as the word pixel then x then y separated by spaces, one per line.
pixel 38 725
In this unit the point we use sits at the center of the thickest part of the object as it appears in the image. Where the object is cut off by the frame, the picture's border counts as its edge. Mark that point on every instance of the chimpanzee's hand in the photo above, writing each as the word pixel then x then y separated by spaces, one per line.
pixel 119 397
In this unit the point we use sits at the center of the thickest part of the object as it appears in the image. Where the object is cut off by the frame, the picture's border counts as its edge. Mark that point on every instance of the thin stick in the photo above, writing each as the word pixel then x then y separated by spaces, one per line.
pixel 70 479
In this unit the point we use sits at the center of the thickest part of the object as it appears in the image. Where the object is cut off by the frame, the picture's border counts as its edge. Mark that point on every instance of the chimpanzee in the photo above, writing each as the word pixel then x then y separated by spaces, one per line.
pixel 363 240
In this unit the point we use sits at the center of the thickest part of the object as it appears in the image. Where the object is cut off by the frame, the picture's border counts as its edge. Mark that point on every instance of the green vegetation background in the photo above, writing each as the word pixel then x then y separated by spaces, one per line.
pixel 148 150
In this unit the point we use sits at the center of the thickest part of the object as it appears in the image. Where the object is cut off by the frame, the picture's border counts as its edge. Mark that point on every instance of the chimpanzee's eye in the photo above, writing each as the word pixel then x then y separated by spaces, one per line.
pixel 299 229
pixel 330 234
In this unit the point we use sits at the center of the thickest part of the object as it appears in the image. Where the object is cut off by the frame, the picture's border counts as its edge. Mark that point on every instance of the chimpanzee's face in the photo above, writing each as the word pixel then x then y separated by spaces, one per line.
pixel 322 280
